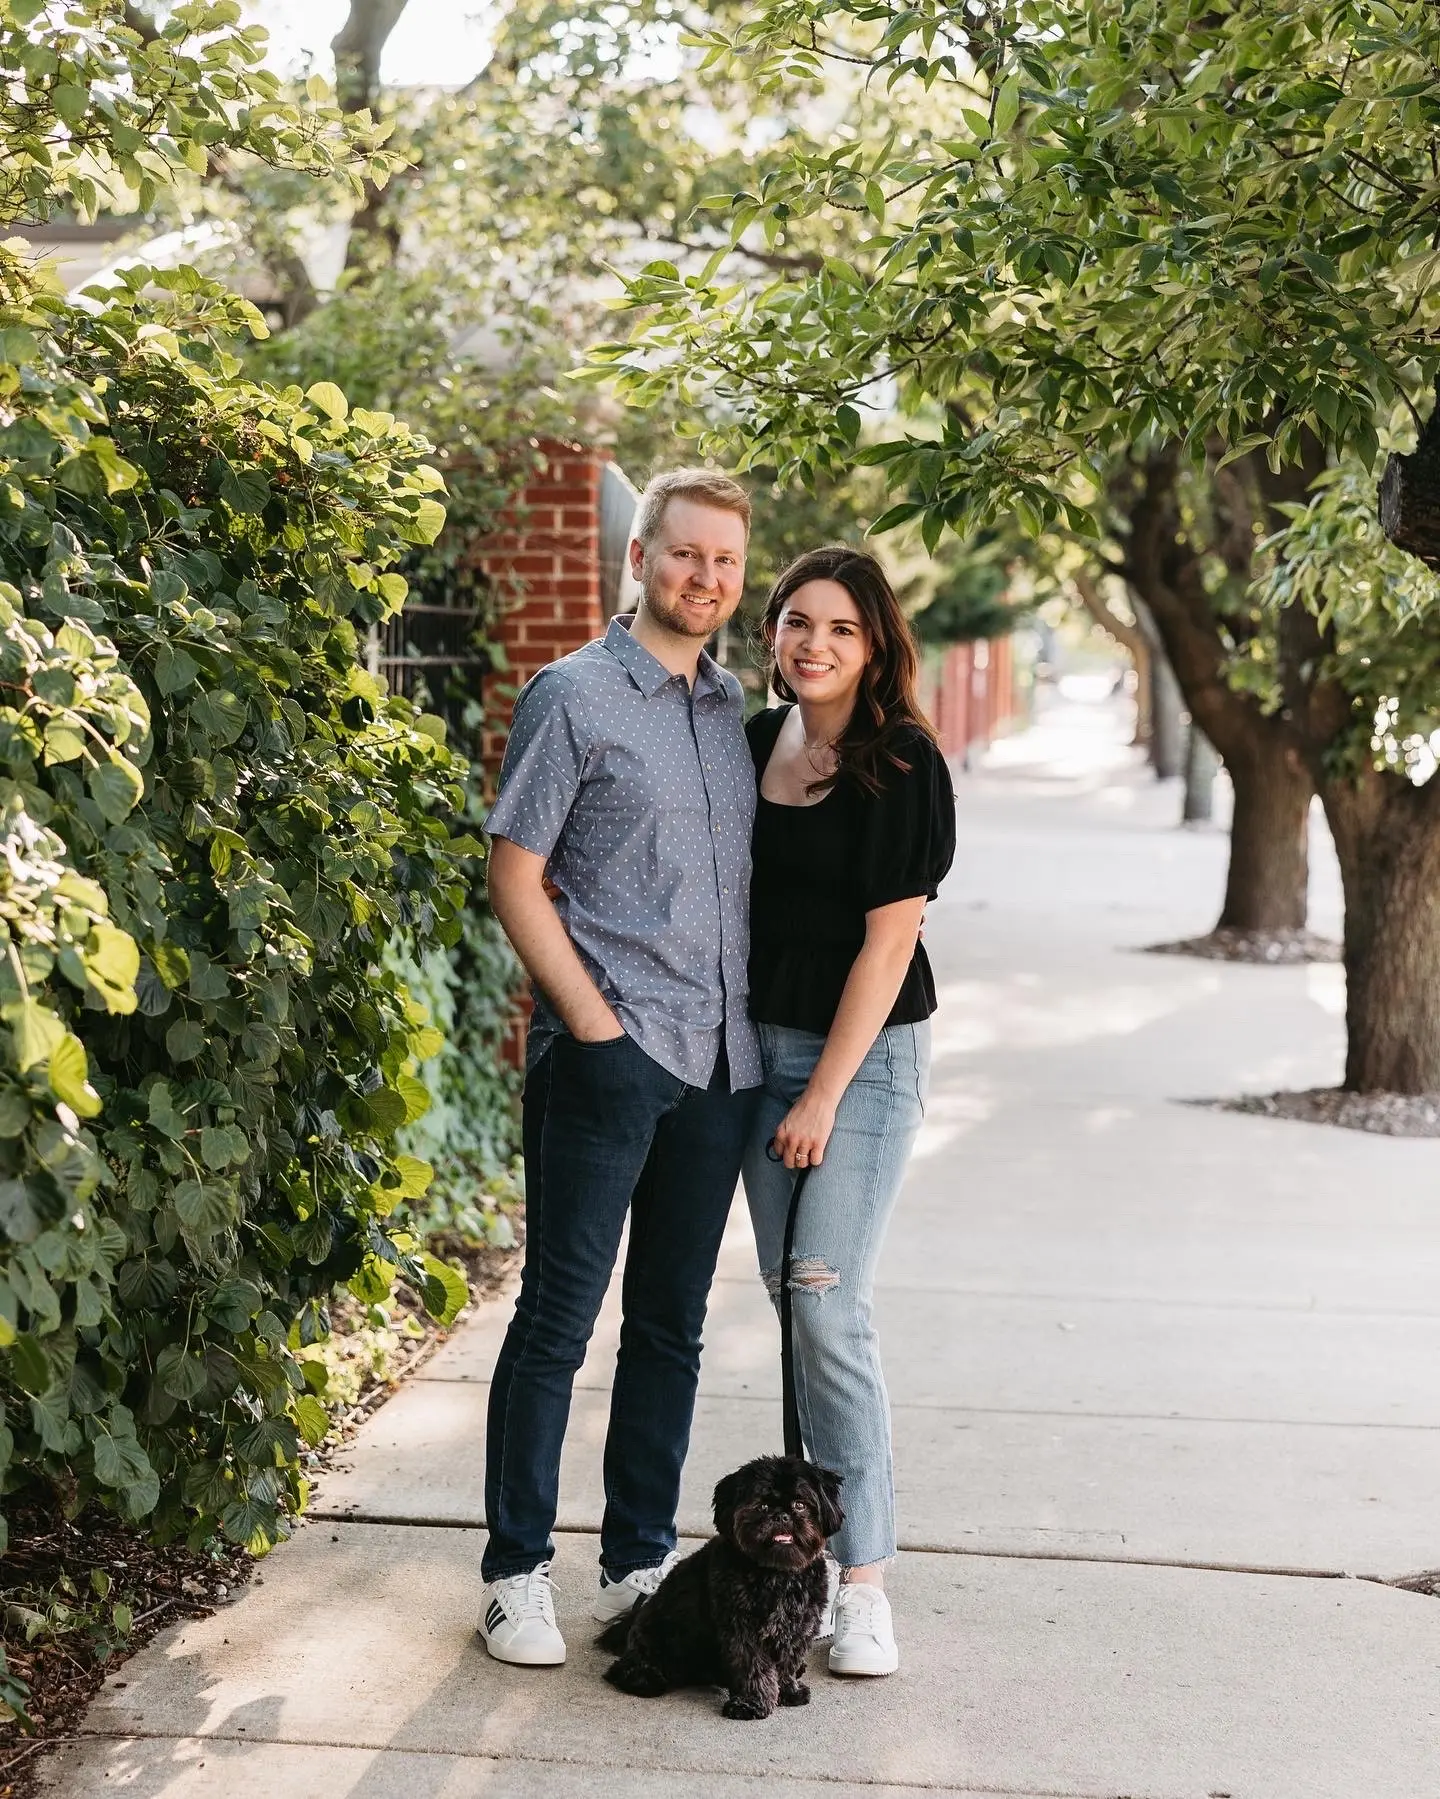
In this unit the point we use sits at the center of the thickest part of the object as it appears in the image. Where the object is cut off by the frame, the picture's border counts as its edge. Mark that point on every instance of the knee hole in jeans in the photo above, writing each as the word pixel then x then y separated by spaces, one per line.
pixel 808 1274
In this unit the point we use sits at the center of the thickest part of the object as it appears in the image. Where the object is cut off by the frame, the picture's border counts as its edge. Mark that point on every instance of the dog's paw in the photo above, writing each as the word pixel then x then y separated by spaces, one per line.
pixel 799 1694
pixel 638 1679
pixel 742 1705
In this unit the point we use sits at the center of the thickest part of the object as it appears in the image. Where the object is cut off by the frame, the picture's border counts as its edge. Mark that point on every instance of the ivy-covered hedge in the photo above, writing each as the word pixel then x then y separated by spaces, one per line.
pixel 213 824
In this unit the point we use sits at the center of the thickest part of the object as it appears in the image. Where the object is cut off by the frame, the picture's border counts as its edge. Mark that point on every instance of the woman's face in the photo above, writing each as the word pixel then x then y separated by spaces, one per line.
pixel 821 643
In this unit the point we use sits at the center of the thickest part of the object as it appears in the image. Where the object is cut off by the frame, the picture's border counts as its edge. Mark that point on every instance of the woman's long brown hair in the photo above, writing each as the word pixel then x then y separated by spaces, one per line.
pixel 887 705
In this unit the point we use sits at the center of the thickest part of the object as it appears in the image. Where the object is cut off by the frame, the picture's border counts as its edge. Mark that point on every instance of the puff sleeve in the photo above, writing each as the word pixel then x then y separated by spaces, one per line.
pixel 910 842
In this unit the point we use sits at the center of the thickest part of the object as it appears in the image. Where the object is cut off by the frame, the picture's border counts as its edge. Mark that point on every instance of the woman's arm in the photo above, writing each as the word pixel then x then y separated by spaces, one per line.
pixel 871 989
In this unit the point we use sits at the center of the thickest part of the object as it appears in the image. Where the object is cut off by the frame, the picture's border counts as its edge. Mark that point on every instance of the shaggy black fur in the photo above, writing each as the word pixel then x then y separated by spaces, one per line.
pixel 742 1611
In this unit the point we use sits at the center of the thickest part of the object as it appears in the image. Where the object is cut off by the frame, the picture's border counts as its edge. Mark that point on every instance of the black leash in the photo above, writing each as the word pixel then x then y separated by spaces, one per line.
pixel 789 1405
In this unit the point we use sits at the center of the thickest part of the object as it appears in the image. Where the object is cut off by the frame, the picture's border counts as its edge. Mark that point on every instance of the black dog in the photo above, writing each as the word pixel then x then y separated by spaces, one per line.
pixel 742 1611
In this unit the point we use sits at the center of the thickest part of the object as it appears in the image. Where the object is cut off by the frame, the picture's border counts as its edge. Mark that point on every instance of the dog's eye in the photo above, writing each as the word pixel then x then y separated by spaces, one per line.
pixel 800 1506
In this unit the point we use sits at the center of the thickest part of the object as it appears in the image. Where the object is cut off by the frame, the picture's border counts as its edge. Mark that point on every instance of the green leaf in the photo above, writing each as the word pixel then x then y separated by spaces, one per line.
pixel 217 1146
pixel 172 964
pixel 326 397
pixel 35 1031
pixel 416 1096
pixel 180 1374
pixel 311 1419
pixel 69 1076
pixel 1007 105
pixel 386 1109
pixel 203 1207
pixel 14 1111
pixel 119 1460
pixel 445 1290
pixel 249 1520
pixel 415 1176
pixel 164 1114
pixel 185 1040
pixel 29 1364
pixel 111 960
pixel 233 1304
pixel 64 740
pixel 117 787
pixel 426 522
pixel 175 669
pixel 244 489
pixel 220 716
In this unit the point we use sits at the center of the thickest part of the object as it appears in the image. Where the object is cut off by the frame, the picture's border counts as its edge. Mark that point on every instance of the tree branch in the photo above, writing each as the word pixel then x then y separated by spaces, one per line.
pixel 358 46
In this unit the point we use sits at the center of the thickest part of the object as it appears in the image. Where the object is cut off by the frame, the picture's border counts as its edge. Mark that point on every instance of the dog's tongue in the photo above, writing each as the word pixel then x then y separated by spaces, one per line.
pixel 783 1536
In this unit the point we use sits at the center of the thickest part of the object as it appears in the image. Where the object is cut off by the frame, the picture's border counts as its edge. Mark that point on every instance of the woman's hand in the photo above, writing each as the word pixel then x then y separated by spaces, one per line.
pixel 803 1132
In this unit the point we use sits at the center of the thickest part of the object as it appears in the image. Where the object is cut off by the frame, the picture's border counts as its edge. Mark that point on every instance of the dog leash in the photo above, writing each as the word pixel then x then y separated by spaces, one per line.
pixel 790 1408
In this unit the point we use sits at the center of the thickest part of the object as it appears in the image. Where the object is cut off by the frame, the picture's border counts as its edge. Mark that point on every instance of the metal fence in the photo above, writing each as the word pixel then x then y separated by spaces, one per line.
pixel 432 652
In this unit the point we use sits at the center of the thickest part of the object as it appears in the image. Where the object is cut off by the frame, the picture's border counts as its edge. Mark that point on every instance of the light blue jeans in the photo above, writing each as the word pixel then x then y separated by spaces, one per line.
pixel 844 1408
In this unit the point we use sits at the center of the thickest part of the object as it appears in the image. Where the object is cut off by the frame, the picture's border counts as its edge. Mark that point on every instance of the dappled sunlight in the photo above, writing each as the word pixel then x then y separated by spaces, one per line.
pixel 1325 985
pixel 1021 1013
pixel 951 1114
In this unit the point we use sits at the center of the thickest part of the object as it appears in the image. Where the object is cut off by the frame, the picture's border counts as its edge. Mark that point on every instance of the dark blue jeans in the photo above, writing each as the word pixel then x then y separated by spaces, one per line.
pixel 608 1130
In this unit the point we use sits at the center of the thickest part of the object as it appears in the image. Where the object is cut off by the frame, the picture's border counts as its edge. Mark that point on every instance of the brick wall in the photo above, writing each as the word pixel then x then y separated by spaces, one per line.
pixel 547 555
pixel 547 552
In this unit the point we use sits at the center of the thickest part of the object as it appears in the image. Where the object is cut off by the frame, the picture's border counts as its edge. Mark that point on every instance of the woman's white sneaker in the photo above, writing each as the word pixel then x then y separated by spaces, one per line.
pixel 517 1620
pixel 864 1640
pixel 617 1597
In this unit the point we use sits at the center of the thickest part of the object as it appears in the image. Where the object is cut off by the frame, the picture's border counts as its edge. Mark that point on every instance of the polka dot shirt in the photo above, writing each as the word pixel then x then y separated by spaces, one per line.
pixel 641 794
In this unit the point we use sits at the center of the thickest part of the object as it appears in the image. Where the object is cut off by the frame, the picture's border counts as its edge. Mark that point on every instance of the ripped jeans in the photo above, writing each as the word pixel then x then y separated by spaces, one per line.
pixel 844 1408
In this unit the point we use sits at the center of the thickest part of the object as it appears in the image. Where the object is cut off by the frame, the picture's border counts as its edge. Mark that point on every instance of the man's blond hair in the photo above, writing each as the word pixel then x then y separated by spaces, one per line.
pixel 706 486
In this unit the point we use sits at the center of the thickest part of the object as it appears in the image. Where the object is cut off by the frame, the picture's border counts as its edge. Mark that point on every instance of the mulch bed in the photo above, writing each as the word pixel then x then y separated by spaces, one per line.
pixel 159 1584
pixel 1276 948
pixel 1387 1114
pixel 64 1669
pixel 1427 1583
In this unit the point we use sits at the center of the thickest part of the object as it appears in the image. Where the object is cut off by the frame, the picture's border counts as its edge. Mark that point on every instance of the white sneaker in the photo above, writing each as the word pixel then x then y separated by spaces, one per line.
pixel 617 1597
pixel 864 1631
pixel 517 1620
pixel 827 1617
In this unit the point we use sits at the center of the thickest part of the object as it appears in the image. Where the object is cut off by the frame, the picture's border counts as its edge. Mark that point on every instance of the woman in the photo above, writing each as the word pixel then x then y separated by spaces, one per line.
pixel 854 830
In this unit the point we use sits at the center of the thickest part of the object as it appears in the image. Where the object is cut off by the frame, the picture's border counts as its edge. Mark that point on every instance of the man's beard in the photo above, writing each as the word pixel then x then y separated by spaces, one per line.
pixel 673 618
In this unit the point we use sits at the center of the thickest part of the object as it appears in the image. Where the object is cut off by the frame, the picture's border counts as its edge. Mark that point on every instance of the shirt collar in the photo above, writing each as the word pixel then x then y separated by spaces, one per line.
pixel 648 673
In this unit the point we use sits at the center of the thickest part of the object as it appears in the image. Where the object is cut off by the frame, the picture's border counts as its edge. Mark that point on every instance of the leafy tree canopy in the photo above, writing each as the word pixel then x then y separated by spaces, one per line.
pixel 1198 222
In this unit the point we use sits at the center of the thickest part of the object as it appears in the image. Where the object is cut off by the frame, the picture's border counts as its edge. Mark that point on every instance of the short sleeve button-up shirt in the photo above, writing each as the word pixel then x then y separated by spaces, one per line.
pixel 640 792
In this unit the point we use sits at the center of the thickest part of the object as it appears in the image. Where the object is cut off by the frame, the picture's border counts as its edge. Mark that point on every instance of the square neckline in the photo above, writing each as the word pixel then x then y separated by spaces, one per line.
pixel 786 805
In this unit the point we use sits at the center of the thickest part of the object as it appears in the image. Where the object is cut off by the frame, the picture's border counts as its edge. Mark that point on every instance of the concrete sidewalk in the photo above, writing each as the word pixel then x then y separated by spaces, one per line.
pixel 1163 1377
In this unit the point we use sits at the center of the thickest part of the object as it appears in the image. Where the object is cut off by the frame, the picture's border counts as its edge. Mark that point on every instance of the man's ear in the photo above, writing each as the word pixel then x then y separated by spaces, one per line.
pixel 637 557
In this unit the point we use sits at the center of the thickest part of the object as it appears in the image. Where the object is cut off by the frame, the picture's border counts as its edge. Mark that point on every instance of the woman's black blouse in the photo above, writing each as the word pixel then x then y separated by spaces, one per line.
pixel 819 869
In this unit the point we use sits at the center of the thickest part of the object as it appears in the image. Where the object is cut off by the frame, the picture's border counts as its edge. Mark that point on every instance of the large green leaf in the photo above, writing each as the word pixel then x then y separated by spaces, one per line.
pixel 119 1459
pixel 69 1073
pixel 35 1031
pixel 117 787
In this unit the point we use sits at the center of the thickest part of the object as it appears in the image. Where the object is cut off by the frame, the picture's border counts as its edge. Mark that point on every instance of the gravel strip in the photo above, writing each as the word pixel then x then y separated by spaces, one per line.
pixel 1275 947
pixel 1387 1114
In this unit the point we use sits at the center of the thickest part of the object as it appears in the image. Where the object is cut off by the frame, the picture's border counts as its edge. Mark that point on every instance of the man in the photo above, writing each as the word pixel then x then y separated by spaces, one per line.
pixel 627 792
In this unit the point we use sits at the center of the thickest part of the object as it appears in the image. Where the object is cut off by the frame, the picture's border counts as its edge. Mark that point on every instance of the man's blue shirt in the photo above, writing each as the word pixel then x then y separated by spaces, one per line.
pixel 641 795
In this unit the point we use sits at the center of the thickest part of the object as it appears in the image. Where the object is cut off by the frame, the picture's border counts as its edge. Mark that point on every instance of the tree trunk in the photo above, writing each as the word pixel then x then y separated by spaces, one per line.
pixel 1201 765
pixel 358 46
pixel 1133 641
pixel 1410 495
pixel 1267 883
pixel 1266 889
pixel 1167 706
pixel 1387 838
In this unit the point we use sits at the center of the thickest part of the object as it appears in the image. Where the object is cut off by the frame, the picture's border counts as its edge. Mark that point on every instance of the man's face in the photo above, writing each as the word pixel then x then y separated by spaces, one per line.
pixel 694 572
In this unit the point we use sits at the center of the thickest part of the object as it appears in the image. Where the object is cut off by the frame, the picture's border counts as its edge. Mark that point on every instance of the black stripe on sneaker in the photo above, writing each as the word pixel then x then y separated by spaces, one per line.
pixel 495 1616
